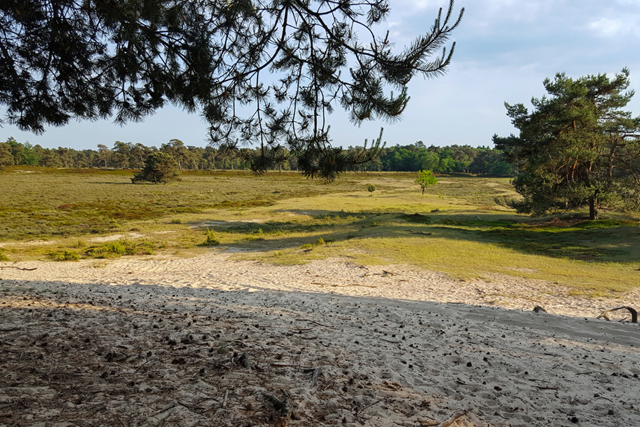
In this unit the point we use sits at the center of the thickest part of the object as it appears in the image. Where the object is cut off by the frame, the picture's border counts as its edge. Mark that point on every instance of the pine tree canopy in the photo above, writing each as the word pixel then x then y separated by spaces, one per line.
pixel 578 147
pixel 259 71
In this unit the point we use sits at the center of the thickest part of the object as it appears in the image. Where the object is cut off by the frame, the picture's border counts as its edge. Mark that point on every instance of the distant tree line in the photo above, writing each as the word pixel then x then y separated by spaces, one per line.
pixel 127 155
pixel 448 159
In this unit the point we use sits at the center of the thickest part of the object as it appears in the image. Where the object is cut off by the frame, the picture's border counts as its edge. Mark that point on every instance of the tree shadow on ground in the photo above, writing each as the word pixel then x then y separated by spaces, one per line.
pixel 144 354
pixel 598 241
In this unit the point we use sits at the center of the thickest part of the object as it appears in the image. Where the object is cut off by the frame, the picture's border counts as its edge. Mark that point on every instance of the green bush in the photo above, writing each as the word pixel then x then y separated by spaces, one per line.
pixel 119 248
pixel 508 202
pixel 211 238
pixel 3 257
pixel 371 188
pixel 65 256
pixel 320 241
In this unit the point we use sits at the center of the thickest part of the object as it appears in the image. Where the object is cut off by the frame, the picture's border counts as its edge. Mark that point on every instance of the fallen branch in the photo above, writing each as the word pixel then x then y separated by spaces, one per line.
pixel 419 232
pixel 189 407
pixel 19 268
pixel 360 410
pixel 314 377
pixel 279 405
pixel 290 365
pixel 244 359
pixel 634 313
pixel 139 367
pixel 453 419
pixel 343 286
pixel 121 422
pixel 313 321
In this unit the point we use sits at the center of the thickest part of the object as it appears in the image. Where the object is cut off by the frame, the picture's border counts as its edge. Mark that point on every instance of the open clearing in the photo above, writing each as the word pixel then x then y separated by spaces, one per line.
pixel 456 228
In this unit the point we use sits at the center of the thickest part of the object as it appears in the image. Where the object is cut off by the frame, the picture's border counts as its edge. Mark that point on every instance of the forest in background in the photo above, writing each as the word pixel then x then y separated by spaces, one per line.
pixel 128 155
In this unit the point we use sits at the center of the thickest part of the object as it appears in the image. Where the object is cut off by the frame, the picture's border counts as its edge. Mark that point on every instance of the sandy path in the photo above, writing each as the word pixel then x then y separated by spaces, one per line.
pixel 333 275
pixel 403 347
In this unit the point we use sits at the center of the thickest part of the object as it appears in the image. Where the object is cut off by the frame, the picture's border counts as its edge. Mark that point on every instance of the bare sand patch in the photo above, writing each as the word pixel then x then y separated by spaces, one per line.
pixel 209 341
pixel 31 243
pixel 114 237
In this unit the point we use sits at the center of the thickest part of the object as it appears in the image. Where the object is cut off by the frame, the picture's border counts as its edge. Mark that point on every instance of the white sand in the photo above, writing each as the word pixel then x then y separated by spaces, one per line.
pixel 397 346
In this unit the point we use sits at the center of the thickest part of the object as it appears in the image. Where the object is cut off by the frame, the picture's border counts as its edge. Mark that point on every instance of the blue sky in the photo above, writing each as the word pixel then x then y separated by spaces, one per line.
pixel 504 50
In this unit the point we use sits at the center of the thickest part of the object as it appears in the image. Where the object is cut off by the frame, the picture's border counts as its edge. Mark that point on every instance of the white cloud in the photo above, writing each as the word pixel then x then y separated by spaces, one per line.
pixel 613 27
pixel 423 4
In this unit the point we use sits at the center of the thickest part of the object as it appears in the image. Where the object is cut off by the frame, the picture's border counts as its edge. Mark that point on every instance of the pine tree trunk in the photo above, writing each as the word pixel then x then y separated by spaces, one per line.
pixel 593 208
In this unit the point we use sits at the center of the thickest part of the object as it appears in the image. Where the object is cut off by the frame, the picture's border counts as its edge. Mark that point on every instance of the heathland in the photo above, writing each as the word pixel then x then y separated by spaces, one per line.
pixel 459 227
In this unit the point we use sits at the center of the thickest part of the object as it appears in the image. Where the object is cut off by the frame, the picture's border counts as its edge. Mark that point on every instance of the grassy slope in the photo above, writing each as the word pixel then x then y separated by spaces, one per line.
pixel 280 217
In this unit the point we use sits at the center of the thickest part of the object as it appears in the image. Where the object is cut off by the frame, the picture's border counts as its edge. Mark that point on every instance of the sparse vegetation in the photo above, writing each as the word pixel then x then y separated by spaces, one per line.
pixel 119 248
pixel 65 256
pixel 467 231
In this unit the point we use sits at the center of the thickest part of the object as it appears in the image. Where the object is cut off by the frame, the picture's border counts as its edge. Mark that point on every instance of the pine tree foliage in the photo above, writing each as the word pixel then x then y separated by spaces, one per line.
pixel 578 147
pixel 159 167
pixel 285 64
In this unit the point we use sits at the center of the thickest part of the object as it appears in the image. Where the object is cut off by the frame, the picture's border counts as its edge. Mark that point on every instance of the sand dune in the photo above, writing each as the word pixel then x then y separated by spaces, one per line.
pixel 209 341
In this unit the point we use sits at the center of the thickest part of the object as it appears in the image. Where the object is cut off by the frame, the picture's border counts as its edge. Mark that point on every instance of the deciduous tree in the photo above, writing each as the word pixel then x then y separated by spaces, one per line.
pixel 426 179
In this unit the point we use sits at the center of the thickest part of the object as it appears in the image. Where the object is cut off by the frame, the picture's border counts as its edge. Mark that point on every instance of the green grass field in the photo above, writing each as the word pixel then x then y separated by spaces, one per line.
pixel 456 227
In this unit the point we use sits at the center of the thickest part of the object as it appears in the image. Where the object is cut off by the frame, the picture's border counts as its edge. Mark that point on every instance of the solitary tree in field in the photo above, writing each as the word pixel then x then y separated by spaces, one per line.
pixel 159 167
pixel 425 179
pixel 577 147
pixel 285 63
pixel 371 188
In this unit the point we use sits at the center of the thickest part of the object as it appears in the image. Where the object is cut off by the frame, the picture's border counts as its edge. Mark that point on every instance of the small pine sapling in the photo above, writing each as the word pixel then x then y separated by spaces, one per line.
pixel 212 238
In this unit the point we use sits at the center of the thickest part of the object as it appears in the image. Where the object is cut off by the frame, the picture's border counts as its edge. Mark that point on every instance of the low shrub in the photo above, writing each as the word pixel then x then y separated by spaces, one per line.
pixel 65 256
pixel 119 248
pixel 211 238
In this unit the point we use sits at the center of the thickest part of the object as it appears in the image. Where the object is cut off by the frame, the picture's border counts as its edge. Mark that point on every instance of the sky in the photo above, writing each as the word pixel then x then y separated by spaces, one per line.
pixel 504 51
